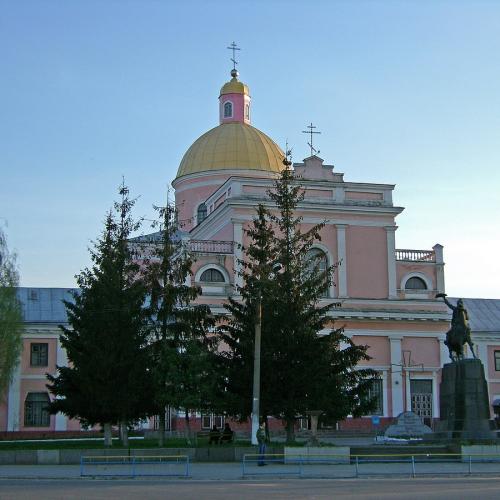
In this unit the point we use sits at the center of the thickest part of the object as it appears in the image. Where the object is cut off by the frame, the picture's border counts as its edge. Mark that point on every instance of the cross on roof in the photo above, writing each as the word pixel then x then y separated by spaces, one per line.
pixel 234 48
pixel 311 131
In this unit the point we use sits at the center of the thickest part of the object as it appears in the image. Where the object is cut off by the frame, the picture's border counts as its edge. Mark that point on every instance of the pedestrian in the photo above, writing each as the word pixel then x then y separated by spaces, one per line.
pixel 261 439
pixel 214 435
pixel 227 434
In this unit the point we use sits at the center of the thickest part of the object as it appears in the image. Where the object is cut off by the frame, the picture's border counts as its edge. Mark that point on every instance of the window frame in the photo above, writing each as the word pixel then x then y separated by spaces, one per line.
pixel 39 359
pixel 212 270
pixel 36 412
pixel 203 209
pixel 380 394
pixel 496 359
pixel 229 106
pixel 416 279
pixel 326 292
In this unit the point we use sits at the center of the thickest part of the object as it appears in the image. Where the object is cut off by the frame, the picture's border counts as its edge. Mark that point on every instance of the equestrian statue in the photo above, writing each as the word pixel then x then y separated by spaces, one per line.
pixel 459 333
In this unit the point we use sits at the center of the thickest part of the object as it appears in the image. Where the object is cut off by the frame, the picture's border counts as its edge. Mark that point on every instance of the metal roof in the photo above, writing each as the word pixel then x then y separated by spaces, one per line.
pixel 484 314
pixel 44 305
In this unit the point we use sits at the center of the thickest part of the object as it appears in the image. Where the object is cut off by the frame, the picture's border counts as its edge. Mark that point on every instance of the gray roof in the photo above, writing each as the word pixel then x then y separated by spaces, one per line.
pixel 44 305
pixel 157 236
pixel 484 314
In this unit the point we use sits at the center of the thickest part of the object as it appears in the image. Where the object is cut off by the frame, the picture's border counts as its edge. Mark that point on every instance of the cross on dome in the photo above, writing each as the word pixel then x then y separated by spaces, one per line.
pixel 234 48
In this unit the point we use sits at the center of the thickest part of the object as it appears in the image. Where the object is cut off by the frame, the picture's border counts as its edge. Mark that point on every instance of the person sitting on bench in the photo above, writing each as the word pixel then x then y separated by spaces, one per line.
pixel 214 435
pixel 227 434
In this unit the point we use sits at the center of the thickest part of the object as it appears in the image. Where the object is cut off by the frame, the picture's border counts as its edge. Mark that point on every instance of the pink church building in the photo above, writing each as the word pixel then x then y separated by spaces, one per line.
pixel 385 296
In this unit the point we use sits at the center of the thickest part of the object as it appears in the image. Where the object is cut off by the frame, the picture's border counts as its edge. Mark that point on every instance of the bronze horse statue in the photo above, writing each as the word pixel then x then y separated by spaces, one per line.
pixel 459 333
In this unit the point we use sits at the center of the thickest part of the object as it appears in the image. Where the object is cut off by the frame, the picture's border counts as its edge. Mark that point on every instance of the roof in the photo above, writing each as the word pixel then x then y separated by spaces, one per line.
pixel 232 146
pixel 234 86
pixel 157 236
pixel 484 314
pixel 44 305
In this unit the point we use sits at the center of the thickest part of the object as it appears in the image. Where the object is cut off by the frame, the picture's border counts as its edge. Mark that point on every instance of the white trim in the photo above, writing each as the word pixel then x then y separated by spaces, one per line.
pixel 14 400
pixel 396 375
pixel 342 257
pixel 391 261
pixel 238 254
pixel 218 267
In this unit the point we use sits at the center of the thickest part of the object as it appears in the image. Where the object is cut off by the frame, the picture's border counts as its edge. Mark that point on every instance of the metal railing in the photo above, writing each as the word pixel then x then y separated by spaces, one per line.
pixel 211 246
pixel 345 466
pixel 134 465
pixel 416 255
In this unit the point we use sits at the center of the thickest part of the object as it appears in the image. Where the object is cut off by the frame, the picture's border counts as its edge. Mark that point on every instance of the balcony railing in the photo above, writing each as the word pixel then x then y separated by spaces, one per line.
pixel 416 255
pixel 211 246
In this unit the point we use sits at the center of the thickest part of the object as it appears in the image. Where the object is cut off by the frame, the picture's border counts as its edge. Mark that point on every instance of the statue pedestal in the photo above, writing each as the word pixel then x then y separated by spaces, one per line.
pixel 464 403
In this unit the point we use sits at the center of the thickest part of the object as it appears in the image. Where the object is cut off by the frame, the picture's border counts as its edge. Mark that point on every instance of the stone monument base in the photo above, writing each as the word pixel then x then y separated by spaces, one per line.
pixel 464 404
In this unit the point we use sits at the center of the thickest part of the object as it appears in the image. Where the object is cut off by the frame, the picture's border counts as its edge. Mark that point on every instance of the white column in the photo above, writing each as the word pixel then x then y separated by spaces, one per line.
pixel 438 252
pixel 61 360
pixel 238 254
pixel 396 376
pixel 408 390
pixel 391 261
pixel 342 257
pixel 435 396
pixel 385 394
pixel 14 400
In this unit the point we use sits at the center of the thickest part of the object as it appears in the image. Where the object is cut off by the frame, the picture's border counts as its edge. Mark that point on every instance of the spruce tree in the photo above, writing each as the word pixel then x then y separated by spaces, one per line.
pixel 182 351
pixel 300 370
pixel 10 315
pixel 107 381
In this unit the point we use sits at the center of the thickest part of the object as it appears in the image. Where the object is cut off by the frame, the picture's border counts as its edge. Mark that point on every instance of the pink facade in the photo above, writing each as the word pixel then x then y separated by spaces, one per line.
pixel 385 295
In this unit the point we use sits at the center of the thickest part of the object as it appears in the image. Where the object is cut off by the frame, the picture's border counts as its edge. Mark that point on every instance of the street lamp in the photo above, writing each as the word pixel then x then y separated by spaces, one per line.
pixel 256 360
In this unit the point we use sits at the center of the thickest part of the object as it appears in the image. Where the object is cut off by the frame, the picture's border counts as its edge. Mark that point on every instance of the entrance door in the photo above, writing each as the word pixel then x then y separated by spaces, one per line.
pixel 421 399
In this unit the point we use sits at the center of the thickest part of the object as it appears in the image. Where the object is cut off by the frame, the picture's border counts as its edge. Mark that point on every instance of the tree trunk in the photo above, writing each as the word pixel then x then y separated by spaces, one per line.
pixel 161 429
pixel 188 428
pixel 108 441
pixel 290 431
pixel 124 433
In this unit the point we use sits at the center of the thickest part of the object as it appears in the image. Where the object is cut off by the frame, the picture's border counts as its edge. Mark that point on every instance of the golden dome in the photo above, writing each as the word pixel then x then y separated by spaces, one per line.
pixel 234 86
pixel 232 146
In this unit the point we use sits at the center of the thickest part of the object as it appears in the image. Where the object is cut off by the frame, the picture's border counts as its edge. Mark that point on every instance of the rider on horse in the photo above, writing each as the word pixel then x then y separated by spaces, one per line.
pixel 459 333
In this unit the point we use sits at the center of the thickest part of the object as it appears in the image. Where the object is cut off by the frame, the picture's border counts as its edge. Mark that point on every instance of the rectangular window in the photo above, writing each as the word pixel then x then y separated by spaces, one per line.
pixel 497 361
pixel 376 392
pixel 39 355
pixel 36 410
pixel 210 419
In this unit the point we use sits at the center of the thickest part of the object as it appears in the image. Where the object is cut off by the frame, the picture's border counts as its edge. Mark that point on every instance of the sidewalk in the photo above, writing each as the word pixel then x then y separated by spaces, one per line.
pixel 233 471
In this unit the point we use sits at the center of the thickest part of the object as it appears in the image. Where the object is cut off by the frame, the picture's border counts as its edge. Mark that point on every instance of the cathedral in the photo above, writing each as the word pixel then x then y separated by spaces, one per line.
pixel 384 296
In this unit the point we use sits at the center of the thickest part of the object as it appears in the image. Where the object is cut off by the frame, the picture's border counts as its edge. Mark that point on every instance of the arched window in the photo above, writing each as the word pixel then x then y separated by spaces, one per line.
pixel 212 276
pixel 228 109
pixel 317 261
pixel 415 283
pixel 36 410
pixel 201 214
pixel 247 111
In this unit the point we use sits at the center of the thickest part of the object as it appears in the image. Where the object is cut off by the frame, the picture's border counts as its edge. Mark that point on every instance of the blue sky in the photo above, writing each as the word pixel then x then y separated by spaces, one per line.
pixel 404 92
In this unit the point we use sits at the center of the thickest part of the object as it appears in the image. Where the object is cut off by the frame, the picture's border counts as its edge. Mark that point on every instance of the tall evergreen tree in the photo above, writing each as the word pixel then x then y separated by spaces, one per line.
pixel 10 315
pixel 300 370
pixel 108 381
pixel 182 351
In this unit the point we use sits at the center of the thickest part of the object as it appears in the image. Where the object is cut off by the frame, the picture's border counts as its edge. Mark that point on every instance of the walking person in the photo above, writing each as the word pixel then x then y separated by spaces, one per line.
pixel 261 439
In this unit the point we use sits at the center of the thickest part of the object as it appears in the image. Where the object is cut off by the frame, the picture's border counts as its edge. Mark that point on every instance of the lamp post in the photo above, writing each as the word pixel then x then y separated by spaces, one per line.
pixel 256 360
pixel 256 370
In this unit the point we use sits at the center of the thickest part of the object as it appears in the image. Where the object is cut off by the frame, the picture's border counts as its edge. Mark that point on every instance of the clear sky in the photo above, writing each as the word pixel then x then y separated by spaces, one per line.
pixel 404 92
